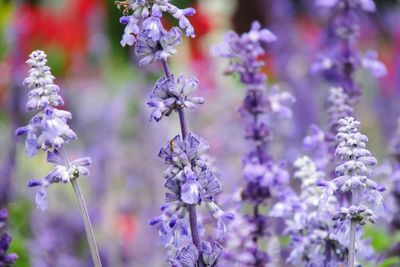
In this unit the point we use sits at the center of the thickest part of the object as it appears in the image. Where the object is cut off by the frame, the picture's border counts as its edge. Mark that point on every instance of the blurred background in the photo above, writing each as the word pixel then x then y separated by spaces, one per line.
pixel 106 92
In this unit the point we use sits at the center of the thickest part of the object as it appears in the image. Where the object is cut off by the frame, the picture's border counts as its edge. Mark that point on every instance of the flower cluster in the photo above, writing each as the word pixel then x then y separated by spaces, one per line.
pixel 170 94
pixel 6 259
pixel 264 177
pixel 48 129
pixel 145 31
pixel 312 238
pixel 244 51
pixel 189 178
pixel 316 142
pixel 190 182
pixel 341 60
pixel 354 177
pixel 338 108
pixel 354 174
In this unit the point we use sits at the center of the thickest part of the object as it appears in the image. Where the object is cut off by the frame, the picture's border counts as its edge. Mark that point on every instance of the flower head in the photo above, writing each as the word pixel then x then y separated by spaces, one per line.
pixel 170 95
pixel 244 52
pixel 63 172
pixel 149 50
pixel 48 129
pixel 354 175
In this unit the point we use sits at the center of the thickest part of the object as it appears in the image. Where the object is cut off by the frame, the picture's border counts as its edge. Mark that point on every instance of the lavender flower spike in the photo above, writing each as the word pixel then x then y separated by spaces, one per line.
pixel 265 179
pixel 189 179
pixel 354 176
pixel 342 60
pixel 48 130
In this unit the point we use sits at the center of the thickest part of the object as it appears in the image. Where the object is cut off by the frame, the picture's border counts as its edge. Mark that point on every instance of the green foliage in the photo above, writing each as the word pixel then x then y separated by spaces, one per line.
pixel 381 240
pixel 19 217
pixel 391 262
pixel 5 14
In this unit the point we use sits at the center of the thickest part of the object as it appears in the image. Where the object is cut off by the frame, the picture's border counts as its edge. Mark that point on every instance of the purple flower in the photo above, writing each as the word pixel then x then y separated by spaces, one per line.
pixel 354 176
pixel 338 107
pixel 341 60
pixel 149 50
pixel 170 95
pixel 63 172
pixel 265 179
pixel 142 10
pixel 370 61
pixel 189 181
pixel 185 257
pixel 144 28
pixel 48 129
pixel 6 259
pixel 243 52
pixel 131 29
pixel 367 5
pixel 210 254
pixel 39 73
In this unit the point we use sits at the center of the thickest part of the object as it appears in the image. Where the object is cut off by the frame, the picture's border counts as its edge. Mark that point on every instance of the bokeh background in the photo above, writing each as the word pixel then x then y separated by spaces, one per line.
pixel 106 92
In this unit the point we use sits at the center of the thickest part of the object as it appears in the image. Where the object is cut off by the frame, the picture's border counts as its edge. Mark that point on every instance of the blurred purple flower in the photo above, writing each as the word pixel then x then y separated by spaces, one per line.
pixel 6 259
pixel 341 60
pixel 265 179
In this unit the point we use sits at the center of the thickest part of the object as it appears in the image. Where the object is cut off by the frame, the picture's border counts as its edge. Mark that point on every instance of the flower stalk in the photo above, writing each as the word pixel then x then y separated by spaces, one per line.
pixel 94 252
pixel 189 178
pixel 48 131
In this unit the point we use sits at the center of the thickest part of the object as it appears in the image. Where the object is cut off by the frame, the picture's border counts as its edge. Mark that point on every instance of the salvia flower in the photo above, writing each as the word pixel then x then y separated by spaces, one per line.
pixel 6 259
pixel 48 129
pixel 313 238
pixel 366 5
pixel 243 52
pixel 265 178
pixel 149 50
pixel 341 60
pixel 170 95
pixel 63 172
pixel 189 179
pixel 145 13
pixel 338 108
pixel 145 31
pixel 317 143
pixel 354 176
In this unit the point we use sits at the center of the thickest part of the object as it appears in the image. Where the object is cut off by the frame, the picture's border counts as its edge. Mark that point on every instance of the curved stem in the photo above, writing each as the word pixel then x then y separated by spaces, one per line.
pixel 194 229
pixel 94 252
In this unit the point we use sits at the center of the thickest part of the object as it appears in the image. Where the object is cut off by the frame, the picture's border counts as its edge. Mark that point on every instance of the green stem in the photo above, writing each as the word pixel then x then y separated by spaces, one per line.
pixel 87 224
pixel 94 252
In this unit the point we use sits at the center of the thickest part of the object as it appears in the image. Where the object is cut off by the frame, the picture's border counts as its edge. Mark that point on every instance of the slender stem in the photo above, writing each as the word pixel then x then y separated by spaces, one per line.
pixel 87 224
pixel 94 252
pixel 352 245
pixel 182 121
pixel 194 229
pixel 166 69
